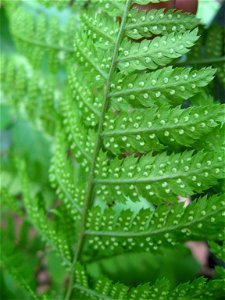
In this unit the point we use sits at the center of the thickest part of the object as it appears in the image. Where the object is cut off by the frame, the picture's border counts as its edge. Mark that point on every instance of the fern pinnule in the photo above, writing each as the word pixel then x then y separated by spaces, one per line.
pixel 32 94
pixel 21 263
pixel 52 232
pixel 90 60
pixel 158 22
pixel 158 52
pixel 89 102
pixel 65 180
pixel 158 177
pixel 103 32
pixel 39 37
pixel 112 233
pixel 8 202
pixel 218 249
pixel 210 50
pixel 166 85
pixel 214 141
pixel 134 132
pixel 105 289
pixel 80 139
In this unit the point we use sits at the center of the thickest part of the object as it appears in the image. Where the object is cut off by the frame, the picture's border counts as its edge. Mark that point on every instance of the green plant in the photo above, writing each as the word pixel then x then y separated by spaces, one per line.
pixel 125 143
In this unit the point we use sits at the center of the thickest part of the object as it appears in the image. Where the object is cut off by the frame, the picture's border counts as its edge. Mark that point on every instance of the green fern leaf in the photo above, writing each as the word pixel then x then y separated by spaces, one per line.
pixel 80 139
pixel 103 32
pixel 154 129
pixel 19 262
pixel 115 102
pixel 210 50
pixel 8 201
pixel 165 85
pixel 214 141
pixel 13 271
pixel 146 54
pixel 53 234
pixel 110 7
pixel 64 179
pixel 107 290
pixel 88 100
pixel 155 22
pixel 218 250
pixel 37 38
pixel 151 230
pixel 91 62
pixel 159 177
pixel 31 94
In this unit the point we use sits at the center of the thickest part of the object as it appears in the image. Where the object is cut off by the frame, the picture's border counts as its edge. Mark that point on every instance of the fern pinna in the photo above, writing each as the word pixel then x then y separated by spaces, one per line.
pixel 134 127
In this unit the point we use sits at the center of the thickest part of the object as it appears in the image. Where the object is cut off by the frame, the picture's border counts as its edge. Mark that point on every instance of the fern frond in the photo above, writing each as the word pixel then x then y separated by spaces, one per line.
pixel 31 94
pixel 110 7
pixel 153 128
pixel 81 140
pixel 14 271
pixel 220 74
pixel 210 45
pixel 74 5
pixel 210 50
pixel 151 230
pixel 39 37
pixel 8 201
pixel 103 32
pixel 218 249
pixel 91 62
pixel 62 177
pixel 105 289
pixel 214 141
pixel 18 261
pixel 159 177
pixel 146 54
pixel 156 21
pixel 87 100
pixel 52 232
pixel 14 73
pixel 214 41
pixel 166 85
pixel 120 100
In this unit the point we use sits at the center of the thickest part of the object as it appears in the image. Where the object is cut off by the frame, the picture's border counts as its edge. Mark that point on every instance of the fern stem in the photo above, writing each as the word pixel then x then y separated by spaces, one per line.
pixel 90 184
